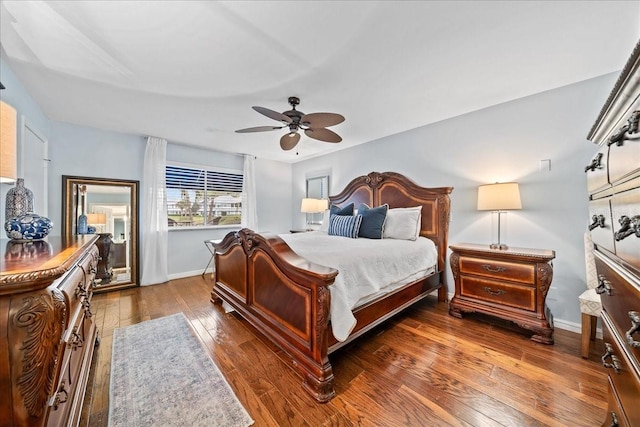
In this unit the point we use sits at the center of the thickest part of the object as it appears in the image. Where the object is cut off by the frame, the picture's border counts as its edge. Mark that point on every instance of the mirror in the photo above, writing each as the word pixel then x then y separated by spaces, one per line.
pixel 318 187
pixel 108 208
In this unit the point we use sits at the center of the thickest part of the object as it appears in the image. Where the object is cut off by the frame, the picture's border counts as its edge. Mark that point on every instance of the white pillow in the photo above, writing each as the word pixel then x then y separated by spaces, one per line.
pixel 402 223
pixel 326 219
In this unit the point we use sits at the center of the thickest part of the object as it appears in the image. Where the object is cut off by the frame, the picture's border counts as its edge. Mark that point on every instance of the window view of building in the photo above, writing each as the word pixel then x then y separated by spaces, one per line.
pixel 198 197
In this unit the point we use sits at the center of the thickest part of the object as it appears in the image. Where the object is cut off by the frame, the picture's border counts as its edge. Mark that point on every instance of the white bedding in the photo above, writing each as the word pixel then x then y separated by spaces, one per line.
pixel 367 268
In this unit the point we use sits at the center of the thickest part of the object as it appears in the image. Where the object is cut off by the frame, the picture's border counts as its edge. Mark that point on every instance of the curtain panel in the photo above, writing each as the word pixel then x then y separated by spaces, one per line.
pixel 155 233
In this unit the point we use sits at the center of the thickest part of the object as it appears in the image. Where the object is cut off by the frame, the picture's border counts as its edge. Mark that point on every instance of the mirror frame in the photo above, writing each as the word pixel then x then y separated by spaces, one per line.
pixel 68 204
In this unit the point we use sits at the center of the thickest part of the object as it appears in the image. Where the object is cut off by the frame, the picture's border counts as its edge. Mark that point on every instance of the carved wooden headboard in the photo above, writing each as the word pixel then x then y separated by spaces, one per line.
pixel 398 191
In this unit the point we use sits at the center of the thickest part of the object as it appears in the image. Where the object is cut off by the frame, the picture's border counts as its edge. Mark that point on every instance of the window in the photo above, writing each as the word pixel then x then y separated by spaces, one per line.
pixel 200 196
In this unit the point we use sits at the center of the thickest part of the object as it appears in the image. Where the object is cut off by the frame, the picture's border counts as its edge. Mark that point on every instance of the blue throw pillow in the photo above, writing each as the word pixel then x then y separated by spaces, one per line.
pixel 372 221
pixel 346 210
pixel 345 226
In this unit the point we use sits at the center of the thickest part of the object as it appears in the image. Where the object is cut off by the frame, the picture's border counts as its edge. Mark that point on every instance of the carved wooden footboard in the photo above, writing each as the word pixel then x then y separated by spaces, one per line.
pixel 287 298
pixel 284 296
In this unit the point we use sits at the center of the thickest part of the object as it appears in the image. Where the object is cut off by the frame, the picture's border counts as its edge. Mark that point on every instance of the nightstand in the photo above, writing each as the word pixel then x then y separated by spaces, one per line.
pixel 511 284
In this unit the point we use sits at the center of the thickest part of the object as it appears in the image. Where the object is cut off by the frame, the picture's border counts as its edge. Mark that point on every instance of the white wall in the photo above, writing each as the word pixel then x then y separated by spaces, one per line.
pixel 497 144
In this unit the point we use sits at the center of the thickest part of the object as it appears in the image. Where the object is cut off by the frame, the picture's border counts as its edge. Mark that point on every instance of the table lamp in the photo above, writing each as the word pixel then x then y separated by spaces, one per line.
pixel 499 198
pixel 313 206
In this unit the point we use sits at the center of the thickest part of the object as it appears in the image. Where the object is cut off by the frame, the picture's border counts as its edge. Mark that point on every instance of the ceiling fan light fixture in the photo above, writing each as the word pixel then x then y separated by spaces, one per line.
pixel 314 125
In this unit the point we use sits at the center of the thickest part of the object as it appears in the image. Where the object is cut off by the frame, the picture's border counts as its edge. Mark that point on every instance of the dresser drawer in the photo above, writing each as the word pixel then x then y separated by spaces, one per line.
pixel 596 170
pixel 615 414
pixel 601 224
pixel 73 287
pixel 626 205
pixel 621 299
pixel 624 160
pixel 623 376
pixel 505 294
pixel 503 270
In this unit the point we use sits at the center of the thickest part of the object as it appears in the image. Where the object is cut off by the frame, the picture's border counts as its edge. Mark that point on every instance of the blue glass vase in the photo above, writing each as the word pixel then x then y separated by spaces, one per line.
pixel 83 228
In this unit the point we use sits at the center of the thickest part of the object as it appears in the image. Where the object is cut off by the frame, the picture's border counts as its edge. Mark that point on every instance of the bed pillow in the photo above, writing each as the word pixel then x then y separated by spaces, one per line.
pixel 402 223
pixel 372 220
pixel 345 226
pixel 345 210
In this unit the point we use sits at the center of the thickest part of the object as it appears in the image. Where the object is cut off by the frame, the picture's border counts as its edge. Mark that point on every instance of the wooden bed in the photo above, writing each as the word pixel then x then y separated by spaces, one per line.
pixel 287 298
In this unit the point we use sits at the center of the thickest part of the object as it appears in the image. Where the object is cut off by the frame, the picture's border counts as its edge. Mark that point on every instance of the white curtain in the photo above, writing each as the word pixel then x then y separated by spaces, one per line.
pixel 155 233
pixel 249 209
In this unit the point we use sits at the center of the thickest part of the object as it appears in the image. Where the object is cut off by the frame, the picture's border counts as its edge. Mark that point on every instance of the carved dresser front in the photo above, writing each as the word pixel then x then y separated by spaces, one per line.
pixel 613 181
pixel 47 332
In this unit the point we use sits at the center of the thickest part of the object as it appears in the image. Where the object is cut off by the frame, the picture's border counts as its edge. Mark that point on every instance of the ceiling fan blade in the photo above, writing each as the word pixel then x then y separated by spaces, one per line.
pixel 321 120
pixel 273 114
pixel 322 134
pixel 289 140
pixel 259 129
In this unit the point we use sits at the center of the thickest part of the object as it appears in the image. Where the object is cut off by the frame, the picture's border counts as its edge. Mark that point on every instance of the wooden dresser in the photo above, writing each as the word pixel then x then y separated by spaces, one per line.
pixel 47 333
pixel 511 284
pixel 613 181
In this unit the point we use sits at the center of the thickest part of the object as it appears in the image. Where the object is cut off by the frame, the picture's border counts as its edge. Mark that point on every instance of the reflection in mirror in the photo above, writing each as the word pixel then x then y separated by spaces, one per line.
pixel 108 208
pixel 318 187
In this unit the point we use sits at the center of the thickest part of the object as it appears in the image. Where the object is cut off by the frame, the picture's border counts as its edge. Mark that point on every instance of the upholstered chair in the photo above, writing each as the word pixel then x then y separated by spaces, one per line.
pixel 590 305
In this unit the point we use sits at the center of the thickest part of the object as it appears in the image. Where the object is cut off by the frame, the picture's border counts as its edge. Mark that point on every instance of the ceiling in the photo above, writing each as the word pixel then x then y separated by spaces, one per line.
pixel 190 71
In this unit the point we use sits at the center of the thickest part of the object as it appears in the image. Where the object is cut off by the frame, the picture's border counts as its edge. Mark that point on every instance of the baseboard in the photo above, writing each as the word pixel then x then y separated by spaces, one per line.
pixel 573 327
pixel 185 274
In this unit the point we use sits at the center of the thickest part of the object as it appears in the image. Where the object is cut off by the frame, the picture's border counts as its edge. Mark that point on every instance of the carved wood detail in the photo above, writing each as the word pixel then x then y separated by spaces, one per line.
pixel 43 317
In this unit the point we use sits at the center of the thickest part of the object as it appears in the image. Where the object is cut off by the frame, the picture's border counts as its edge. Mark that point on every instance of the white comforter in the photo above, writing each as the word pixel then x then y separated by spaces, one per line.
pixel 367 268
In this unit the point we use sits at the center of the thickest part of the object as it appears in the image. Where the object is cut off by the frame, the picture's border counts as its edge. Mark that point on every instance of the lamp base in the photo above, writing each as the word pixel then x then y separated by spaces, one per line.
pixel 499 246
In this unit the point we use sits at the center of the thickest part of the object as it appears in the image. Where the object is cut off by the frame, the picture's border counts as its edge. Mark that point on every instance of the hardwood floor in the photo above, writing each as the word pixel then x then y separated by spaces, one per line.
pixel 422 368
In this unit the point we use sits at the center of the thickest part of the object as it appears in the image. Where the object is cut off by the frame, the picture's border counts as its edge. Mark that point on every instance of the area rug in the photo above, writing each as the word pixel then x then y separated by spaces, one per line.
pixel 162 376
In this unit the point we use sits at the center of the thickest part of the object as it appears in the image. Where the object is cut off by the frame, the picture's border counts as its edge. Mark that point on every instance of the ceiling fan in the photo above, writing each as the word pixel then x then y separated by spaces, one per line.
pixel 314 124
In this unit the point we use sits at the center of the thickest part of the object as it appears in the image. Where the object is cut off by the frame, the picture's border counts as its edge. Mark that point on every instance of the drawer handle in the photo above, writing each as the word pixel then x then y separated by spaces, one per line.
pixel 635 327
pixel 80 290
pixel 493 291
pixel 76 339
pixel 628 226
pixel 614 420
pixel 493 269
pixel 631 127
pixel 598 221
pixel 61 396
pixel 615 362
pixel 86 304
pixel 93 269
pixel 596 163
pixel 603 285
pixel 618 137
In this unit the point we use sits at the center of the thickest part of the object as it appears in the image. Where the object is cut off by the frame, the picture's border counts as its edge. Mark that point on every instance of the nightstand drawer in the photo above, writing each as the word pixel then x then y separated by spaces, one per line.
pixel 503 270
pixel 512 295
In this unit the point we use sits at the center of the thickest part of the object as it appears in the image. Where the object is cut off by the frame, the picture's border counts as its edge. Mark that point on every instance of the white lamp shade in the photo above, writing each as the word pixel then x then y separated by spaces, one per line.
pixel 96 218
pixel 310 205
pixel 499 197
pixel 323 205
pixel 8 145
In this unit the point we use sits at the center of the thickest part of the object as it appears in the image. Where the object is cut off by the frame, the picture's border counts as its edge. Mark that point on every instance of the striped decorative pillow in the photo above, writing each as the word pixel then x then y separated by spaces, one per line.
pixel 345 226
